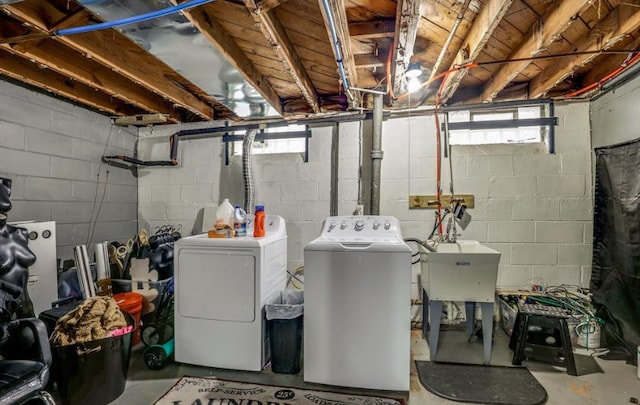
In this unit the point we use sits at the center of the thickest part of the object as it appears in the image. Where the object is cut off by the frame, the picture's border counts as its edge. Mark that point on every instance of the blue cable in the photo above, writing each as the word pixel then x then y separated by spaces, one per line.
pixel 134 19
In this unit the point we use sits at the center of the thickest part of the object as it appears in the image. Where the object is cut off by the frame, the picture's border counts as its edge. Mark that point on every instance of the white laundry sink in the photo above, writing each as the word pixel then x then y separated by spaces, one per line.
pixel 460 271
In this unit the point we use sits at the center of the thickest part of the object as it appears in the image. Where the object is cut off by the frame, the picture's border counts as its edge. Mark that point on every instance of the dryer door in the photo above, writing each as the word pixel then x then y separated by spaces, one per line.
pixel 216 284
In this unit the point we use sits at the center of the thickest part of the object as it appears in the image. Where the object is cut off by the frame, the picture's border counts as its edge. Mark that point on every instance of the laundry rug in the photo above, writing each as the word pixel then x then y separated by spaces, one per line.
pixel 480 384
pixel 212 391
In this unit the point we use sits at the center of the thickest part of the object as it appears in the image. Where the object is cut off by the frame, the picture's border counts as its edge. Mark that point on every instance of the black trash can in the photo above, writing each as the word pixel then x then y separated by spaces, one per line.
pixel 95 372
pixel 285 315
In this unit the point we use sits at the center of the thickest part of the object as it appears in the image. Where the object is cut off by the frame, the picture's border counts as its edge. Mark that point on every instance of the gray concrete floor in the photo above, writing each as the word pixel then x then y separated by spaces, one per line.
pixel 616 385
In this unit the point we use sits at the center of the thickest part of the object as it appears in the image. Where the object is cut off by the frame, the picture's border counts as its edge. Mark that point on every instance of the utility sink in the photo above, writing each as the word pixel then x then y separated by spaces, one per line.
pixel 460 271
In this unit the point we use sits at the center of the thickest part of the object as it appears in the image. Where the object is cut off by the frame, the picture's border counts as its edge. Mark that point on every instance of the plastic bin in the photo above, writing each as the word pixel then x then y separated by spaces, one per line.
pixel 92 373
pixel 131 303
pixel 285 314
pixel 150 290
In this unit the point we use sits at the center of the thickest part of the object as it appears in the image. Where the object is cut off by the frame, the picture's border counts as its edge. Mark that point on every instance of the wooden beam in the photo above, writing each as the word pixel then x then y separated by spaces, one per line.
pixel 408 14
pixel 369 61
pixel 218 37
pixel 485 23
pixel 339 12
pixel 554 22
pixel 117 52
pixel 277 37
pixel 67 62
pixel 372 29
pixel 28 72
pixel 613 28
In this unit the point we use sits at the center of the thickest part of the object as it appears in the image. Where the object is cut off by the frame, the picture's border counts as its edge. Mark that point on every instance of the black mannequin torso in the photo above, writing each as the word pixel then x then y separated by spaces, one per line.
pixel 15 255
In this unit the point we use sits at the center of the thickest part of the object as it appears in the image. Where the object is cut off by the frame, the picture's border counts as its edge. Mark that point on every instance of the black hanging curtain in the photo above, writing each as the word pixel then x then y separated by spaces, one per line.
pixel 615 279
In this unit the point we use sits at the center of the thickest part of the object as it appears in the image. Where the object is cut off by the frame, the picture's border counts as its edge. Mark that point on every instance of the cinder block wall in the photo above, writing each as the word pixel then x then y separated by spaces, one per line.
pixel 535 208
pixel 51 151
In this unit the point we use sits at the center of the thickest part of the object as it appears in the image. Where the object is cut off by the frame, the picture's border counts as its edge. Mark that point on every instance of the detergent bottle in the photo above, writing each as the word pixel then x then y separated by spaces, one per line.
pixel 258 223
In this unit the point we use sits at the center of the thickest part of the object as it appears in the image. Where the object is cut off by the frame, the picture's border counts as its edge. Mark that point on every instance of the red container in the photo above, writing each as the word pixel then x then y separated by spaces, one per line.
pixel 131 303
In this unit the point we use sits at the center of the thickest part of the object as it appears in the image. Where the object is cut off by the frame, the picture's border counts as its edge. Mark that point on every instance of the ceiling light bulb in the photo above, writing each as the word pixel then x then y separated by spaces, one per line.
pixel 414 70
pixel 413 84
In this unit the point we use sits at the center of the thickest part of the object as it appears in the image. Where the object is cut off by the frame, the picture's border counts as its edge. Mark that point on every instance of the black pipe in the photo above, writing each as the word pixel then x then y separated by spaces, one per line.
pixel 203 132
pixel 499 105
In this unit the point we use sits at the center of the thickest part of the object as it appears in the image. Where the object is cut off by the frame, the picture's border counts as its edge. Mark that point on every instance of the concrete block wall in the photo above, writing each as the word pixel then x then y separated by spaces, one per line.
pixel 51 151
pixel 533 207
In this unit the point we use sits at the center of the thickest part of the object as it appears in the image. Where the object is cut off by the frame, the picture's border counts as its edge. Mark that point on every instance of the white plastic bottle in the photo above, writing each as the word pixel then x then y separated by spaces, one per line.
pixel 224 214
pixel 240 221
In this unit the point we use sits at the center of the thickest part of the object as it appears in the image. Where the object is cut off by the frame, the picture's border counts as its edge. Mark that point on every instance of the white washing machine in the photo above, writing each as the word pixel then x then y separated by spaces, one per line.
pixel 357 315
pixel 221 287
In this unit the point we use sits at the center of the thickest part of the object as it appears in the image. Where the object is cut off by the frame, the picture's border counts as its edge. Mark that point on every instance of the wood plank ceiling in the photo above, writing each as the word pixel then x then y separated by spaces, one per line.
pixel 470 51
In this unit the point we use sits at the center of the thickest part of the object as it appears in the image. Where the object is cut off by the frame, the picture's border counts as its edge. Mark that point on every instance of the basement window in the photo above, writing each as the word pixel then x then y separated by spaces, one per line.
pixel 509 125
pixel 295 144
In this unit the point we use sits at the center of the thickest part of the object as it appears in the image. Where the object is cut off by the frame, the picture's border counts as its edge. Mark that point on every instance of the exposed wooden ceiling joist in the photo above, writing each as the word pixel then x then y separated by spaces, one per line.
pixel 484 25
pixel 115 51
pixel 67 62
pixel 369 61
pixel 39 76
pixel 614 27
pixel 408 14
pixel 372 29
pixel 338 10
pixel 218 37
pixel 554 22
pixel 276 35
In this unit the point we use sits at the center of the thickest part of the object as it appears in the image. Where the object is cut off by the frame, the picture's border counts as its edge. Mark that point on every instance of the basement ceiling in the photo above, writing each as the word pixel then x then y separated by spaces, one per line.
pixel 242 59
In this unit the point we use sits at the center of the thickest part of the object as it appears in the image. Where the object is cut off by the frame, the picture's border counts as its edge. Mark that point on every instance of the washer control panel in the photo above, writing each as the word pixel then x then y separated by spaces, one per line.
pixel 361 227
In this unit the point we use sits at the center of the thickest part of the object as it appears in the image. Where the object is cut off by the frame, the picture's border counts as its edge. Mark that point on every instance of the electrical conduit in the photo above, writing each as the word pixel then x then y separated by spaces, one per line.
pixel 336 43
pixel 130 20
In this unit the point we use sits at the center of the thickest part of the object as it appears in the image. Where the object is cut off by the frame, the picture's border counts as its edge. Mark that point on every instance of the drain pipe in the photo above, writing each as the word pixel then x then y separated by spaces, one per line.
pixel 335 162
pixel 247 170
pixel 376 154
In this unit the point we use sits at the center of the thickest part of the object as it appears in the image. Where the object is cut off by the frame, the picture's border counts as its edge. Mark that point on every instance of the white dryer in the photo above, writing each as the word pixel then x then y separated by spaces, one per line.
pixel 221 287
pixel 357 326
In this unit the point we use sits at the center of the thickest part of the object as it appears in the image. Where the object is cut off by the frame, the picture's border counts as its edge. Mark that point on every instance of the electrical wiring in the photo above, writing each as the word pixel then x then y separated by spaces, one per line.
pixel 627 64
pixel 94 216
pixel 294 279
pixel 472 65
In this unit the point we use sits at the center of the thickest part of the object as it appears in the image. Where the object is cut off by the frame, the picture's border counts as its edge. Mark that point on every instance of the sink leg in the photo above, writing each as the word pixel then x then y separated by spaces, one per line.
pixel 470 310
pixel 425 313
pixel 487 329
pixel 435 308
